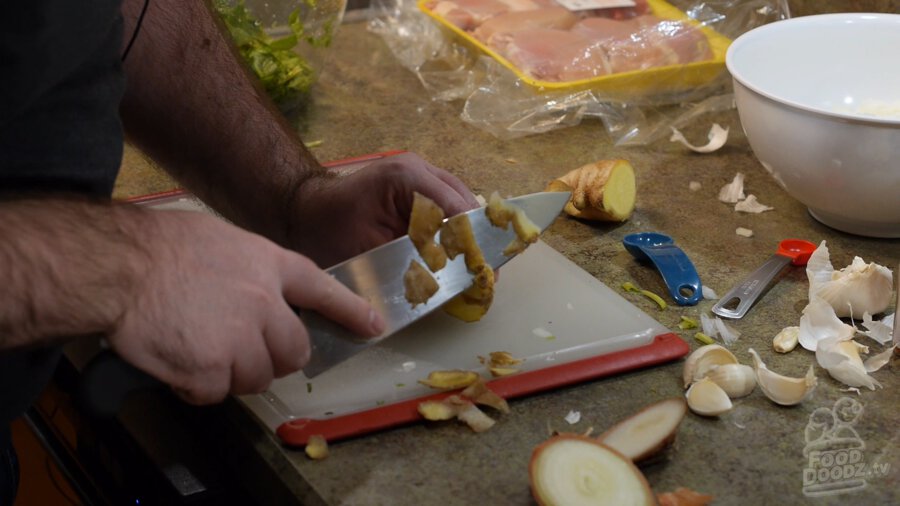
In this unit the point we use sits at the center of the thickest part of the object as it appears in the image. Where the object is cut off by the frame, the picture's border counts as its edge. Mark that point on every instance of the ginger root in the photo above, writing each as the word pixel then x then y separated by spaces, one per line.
pixel 601 191
pixel 424 221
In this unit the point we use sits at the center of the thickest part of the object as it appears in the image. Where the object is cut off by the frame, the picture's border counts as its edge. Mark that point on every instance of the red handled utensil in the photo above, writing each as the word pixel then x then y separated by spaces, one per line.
pixel 738 301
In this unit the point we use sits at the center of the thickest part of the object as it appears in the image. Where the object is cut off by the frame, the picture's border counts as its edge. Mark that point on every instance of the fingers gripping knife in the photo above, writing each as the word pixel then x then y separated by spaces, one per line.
pixel 376 275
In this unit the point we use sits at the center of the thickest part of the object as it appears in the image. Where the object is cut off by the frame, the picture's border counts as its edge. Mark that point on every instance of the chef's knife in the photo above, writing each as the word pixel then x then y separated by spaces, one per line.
pixel 377 275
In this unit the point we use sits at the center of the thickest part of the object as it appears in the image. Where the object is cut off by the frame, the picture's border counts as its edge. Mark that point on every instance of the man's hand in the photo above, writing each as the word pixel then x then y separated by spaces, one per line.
pixel 190 299
pixel 348 212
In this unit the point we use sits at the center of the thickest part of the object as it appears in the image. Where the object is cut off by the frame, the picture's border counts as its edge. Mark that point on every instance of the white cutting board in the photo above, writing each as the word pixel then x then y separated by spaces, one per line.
pixel 539 294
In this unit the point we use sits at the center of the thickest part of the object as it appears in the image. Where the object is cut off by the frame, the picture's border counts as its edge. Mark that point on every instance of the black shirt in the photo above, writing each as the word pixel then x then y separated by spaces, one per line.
pixel 61 83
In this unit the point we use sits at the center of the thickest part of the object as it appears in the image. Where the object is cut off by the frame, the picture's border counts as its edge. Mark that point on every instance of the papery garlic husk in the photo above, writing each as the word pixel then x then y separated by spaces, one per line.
pixel 707 398
pixel 737 380
pixel 819 323
pixel 702 360
pixel 786 340
pixel 780 389
pixel 840 357
pixel 733 192
pixel 879 360
pixel 881 330
pixel 858 288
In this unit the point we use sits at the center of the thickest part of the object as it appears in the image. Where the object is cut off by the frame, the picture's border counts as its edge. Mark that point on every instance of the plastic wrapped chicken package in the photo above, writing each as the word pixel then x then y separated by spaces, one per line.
pixel 523 67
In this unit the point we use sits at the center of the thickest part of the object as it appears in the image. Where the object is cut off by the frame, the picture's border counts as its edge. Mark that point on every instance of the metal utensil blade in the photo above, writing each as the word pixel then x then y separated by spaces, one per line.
pixel 377 275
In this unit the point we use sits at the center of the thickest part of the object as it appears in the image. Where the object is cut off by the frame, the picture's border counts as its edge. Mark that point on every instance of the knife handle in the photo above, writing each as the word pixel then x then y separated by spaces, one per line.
pixel 107 380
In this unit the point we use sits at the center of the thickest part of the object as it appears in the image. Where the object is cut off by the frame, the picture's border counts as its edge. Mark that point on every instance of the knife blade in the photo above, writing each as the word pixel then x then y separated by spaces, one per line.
pixel 377 275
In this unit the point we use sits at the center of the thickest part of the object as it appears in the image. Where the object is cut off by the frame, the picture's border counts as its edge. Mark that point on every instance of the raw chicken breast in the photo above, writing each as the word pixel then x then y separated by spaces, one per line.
pixel 555 55
pixel 657 43
pixel 468 14
pixel 512 22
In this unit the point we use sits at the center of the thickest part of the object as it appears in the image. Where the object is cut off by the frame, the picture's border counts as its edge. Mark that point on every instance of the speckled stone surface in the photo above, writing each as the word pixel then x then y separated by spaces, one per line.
pixel 365 102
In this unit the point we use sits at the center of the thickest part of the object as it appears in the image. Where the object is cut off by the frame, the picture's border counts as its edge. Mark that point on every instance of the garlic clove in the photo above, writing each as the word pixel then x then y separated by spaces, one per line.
pixel 840 357
pixel 737 380
pixel 707 398
pixel 780 389
pixel 786 340
pixel 860 287
pixel 699 363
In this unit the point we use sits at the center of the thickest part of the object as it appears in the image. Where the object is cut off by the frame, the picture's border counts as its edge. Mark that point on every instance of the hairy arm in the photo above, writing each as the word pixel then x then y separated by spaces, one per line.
pixel 196 302
pixel 192 106
pixel 66 268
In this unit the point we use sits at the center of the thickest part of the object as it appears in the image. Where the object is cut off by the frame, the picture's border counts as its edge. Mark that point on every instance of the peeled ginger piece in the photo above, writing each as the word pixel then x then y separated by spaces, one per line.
pixel 601 191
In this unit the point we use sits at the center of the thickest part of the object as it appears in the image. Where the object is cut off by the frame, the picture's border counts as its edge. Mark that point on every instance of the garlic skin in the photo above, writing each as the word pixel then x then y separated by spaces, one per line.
pixel 786 340
pixel 840 357
pixel 819 322
pixel 703 359
pixel 858 288
pixel 733 192
pixel 780 389
pixel 707 398
pixel 737 380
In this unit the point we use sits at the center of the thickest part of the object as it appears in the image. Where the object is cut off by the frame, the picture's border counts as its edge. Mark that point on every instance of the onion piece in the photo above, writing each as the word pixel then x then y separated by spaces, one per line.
pixel 574 470
pixel 648 431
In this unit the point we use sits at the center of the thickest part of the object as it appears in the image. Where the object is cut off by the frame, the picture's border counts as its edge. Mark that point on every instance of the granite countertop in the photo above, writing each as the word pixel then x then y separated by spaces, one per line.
pixel 365 102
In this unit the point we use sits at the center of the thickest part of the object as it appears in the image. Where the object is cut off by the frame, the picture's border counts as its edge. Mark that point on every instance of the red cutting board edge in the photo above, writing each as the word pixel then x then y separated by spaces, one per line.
pixel 663 348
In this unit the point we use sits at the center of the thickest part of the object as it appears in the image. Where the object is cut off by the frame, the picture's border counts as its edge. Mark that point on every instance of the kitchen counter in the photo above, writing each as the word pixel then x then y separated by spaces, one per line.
pixel 366 102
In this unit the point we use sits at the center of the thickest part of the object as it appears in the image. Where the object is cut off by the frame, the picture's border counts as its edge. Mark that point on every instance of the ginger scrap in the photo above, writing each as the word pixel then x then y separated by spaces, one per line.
pixel 502 371
pixel 424 221
pixel 455 406
pixel 449 380
pixel 419 283
pixel 316 447
pixel 502 213
pixel 438 410
pixel 457 237
pixel 481 394
pixel 499 358
pixel 473 303
pixel 602 191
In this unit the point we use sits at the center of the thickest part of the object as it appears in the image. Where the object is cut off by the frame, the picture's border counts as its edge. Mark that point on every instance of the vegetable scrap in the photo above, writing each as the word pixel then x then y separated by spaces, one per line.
pixel 573 417
pixel 499 362
pixel 687 323
pixel 450 380
pixel 316 447
pixel 716 328
pixel 463 407
pixel 751 205
pixel 630 287
pixel 703 338
pixel 684 497
pixel 743 232
pixel 694 186
pixel 717 138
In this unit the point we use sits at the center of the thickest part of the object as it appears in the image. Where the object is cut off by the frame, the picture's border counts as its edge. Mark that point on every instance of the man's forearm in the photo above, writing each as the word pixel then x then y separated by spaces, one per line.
pixel 192 106
pixel 66 268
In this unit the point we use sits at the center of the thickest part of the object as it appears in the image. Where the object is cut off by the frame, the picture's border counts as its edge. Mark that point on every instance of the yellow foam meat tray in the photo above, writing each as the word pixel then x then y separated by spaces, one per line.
pixel 622 85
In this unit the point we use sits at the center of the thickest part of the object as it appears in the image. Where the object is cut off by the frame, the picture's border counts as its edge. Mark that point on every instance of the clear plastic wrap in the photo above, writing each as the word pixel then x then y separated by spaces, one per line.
pixel 523 67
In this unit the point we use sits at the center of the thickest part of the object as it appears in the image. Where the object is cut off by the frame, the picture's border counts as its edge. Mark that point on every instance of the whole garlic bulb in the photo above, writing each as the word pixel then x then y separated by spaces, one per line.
pixel 856 289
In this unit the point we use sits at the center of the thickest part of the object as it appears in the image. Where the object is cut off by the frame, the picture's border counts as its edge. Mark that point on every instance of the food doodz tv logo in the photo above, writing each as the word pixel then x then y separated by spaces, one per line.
pixel 835 452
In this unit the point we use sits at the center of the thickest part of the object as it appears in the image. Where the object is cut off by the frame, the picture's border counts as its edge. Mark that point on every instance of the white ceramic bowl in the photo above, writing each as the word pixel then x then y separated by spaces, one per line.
pixel 819 100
